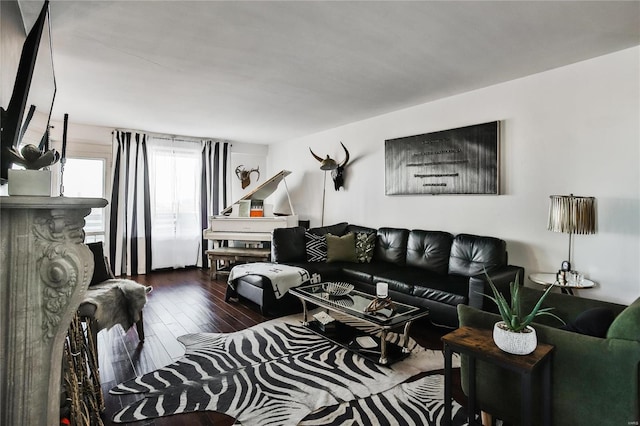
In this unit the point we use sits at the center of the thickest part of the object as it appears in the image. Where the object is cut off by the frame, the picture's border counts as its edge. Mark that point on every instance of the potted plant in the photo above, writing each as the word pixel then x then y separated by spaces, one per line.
pixel 514 334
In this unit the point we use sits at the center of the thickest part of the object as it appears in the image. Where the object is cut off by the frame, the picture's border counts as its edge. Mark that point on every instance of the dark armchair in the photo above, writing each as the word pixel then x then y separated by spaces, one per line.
pixel 594 379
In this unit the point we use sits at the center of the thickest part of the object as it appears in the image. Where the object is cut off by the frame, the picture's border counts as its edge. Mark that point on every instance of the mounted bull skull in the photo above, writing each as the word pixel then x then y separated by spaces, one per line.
pixel 337 170
pixel 245 175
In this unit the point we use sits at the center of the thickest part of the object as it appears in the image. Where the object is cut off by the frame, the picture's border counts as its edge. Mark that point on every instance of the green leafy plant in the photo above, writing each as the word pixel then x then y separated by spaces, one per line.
pixel 511 312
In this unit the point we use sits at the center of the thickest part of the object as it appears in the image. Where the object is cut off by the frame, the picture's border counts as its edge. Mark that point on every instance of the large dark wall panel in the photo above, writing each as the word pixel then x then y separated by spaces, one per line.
pixel 456 161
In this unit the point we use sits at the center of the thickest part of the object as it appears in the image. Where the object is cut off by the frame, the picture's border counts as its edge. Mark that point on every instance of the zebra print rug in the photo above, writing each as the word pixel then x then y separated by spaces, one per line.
pixel 279 373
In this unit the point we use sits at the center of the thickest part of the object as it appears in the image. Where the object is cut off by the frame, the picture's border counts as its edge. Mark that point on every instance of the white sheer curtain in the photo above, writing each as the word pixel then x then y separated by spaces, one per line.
pixel 175 170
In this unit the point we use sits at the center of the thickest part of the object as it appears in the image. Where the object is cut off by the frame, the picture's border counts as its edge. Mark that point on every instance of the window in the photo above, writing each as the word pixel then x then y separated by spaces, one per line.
pixel 84 177
pixel 175 203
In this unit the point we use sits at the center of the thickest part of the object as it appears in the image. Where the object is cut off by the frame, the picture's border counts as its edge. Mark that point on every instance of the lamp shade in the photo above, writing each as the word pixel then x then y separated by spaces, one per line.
pixel 328 164
pixel 572 214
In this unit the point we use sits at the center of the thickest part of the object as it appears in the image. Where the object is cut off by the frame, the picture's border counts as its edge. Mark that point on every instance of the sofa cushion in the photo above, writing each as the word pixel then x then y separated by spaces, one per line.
pixel 396 279
pixel 592 322
pixel 417 282
pixel 429 250
pixel 365 272
pixel 626 326
pixel 354 272
pixel 365 245
pixel 341 248
pixel 472 254
pixel 449 289
pixel 391 246
pixel 337 229
pixel 101 270
pixel 287 245
pixel 315 247
pixel 326 271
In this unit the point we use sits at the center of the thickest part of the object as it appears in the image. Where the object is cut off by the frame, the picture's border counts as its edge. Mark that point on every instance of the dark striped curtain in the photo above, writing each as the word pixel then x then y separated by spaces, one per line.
pixel 213 189
pixel 130 214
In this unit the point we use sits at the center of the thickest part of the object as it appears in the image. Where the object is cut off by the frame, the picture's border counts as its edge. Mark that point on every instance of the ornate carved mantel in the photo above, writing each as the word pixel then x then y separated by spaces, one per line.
pixel 45 270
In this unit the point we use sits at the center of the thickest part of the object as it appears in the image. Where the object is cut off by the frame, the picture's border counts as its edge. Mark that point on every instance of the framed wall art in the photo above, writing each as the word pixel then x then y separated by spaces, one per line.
pixel 455 161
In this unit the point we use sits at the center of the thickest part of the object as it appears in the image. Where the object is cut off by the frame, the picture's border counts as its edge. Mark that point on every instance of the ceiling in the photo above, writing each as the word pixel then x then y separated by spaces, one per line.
pixel 267 71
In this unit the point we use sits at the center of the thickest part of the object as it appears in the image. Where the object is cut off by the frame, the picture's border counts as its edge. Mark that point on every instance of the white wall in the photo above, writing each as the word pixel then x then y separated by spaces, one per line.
pixel 249 156
pixel 82 140
pixel 575 129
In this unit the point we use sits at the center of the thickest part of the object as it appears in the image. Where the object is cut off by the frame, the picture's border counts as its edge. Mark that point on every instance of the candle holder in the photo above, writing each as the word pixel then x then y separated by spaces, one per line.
pixel 382 290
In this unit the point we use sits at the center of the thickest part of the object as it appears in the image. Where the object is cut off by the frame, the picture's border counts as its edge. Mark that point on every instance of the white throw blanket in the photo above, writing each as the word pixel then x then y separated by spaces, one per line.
pixel 282 277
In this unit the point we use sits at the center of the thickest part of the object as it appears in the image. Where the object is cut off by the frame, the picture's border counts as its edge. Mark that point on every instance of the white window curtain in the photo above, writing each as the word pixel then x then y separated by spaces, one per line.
pixel 175 170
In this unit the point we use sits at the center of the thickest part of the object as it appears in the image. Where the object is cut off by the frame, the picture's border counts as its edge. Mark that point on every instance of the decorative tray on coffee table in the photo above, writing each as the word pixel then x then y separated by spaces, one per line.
pixel 337 289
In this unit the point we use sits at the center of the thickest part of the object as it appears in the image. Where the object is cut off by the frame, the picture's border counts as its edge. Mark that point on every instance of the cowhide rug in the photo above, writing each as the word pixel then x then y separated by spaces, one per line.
pixel 279 373
pixel 115 301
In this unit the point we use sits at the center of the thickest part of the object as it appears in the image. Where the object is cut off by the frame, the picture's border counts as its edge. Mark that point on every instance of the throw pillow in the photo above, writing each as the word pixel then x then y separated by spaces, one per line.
pixel 592 322
pixel 341 248
pixel 625 326
pixel 101 271
pixel 288 245
pixel 316 247
pixel 365 245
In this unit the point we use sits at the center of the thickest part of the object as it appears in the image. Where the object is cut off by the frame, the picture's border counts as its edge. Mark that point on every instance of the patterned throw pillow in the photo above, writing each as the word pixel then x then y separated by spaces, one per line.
pixel 316 246
pixel 365 244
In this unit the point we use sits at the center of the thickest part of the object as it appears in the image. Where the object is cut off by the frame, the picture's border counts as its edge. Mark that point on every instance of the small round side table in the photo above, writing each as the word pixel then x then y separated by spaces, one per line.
pixel 546 279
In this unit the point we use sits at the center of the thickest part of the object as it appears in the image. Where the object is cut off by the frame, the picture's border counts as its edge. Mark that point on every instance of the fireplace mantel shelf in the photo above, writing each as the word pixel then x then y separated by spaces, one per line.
pixel 28 202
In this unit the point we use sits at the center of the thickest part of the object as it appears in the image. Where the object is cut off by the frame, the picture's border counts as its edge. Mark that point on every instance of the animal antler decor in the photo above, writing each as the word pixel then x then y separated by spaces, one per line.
pixel 245 175
pixel 337 170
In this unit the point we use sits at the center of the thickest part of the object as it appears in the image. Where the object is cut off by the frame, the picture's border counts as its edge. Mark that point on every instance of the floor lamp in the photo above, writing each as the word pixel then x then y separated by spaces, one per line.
pixel 326 164
pixel 572 215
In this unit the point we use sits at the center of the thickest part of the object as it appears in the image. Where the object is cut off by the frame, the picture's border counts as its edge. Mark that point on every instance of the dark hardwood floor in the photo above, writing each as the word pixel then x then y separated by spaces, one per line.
pixel 186 301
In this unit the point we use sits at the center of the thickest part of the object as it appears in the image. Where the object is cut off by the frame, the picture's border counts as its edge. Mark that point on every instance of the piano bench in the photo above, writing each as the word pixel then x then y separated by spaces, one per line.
pixel 234 255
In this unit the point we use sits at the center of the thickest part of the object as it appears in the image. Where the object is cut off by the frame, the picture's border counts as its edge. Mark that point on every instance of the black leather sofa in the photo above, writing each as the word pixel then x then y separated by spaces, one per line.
pixel 433 269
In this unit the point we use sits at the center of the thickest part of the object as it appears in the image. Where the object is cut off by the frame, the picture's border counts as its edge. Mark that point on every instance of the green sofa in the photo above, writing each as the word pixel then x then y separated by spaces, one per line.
pixel 594 380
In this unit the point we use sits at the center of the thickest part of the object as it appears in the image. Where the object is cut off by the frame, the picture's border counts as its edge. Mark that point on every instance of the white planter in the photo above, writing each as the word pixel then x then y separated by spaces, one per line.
pixel 30 182
pixel 520 343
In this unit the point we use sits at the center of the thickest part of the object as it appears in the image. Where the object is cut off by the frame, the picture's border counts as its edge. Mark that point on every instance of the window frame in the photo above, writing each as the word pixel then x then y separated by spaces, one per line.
pixel 95 152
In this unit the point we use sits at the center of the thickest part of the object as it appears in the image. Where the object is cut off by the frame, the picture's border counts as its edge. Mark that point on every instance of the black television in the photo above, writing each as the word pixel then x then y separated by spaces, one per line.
pixel 25 120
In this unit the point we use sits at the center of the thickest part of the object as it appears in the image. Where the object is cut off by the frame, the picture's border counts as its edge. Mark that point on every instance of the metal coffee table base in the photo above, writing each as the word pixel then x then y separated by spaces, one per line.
pixel 399 351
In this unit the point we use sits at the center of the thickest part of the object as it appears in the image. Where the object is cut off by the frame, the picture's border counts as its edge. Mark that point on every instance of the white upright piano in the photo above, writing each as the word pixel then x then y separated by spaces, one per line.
pixel 252 231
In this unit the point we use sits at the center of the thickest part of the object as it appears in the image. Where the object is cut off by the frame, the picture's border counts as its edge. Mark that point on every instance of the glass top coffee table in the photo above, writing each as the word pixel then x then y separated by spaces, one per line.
pixel 353 305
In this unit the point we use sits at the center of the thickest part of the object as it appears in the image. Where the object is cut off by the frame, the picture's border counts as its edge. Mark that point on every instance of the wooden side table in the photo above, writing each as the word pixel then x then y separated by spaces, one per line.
pixel 478 344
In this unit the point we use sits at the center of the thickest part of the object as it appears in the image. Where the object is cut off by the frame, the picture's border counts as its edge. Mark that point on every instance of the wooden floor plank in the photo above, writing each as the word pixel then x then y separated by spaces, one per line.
pixel 156 351
pixel 187 323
